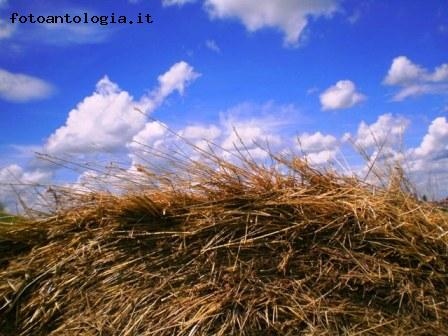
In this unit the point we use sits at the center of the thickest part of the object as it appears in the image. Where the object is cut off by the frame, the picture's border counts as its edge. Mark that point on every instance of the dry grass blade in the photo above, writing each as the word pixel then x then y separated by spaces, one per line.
pixel 229 249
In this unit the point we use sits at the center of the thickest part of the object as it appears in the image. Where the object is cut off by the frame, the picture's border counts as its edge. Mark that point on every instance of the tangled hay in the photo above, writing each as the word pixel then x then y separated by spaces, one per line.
pixel 225 249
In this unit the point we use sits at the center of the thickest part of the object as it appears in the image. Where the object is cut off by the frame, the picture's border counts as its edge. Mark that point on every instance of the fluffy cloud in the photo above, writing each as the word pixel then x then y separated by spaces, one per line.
pixel 316 142
pixel 342 95
pixel 289 16
pixel 177 78
pixel 18 87
pixel 247 126
pixel 152 138
pixel 248 136
pixel 386 131
pixel 17 184
pixel 435 143
pixel 414 80
pixel 14 174
pixel 108 119
pixel 380 144
pixel 6 29
pixel 403 71
pixel 155 141
pixel 317 147
pixel 210 132
pixel 244 127
pixel 427 164
pixel 103 121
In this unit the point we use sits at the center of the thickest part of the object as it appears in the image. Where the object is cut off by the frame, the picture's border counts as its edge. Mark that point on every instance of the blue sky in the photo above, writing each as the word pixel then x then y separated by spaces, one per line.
pixel 327 72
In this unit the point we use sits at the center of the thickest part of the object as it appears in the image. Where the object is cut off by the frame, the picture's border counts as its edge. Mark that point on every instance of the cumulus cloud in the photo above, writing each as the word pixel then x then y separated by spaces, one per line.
pixel 403 71
pixel 435 143
pixel 248 136
pixel 318 148
pixel 415 80
pixel 14 174
pixel 386 131
pixel 17 87
pixel 381 146
pixel 427 163
pixel 177 78
pixel 210 132
pixel 108 119
pixel 213 46
pixel 316 142
pixel 154 141
pixel 342 95
pixel 153 137
pixel 245 127
pixel 103 121
pixel 16 183
pixel 289 16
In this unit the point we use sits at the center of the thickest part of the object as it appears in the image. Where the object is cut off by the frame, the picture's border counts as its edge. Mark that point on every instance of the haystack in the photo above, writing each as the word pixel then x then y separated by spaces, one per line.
pixel 230 249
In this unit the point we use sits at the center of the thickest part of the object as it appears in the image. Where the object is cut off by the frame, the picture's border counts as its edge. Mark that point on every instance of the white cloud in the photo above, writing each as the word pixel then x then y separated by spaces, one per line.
pixel 381 146
pixel 386 131
pixel 175 2
pixel 317 147
pixel 213 46
pixel 103 121
pixel 289 16
pixel 107 120
pixel 427 163
pixel 16 183
pixel 179 76
pixel 253 134
pixel 403 71
pixel 243 127
pixel 247 133
pixel 322 157
pixel 200 132
pixel 419 90
pixel 6 29
pixel 150 136
pixel 435 143
pixel 3 3
pixel 415 80
pixel 440 73
pixel 19 87
pixel 340 96
pixel 317 142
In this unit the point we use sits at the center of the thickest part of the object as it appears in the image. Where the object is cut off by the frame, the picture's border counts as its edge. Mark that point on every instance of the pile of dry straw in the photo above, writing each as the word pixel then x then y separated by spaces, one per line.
pixel 216 248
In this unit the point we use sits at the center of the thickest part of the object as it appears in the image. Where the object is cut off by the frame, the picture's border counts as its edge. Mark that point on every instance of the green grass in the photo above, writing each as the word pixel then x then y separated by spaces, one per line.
pixel 7 218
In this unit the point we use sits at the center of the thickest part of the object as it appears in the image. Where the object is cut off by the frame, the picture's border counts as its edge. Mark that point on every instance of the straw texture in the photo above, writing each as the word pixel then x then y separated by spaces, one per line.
pixel 230 249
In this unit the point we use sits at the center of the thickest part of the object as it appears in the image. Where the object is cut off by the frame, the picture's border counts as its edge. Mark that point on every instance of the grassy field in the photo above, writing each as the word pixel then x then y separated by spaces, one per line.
pixel 8 218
